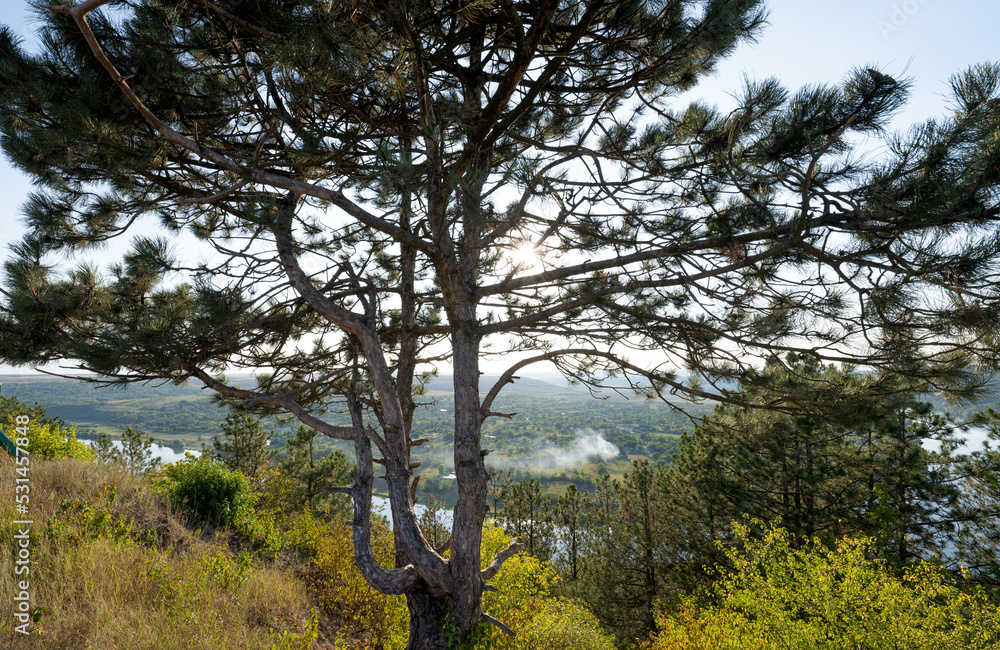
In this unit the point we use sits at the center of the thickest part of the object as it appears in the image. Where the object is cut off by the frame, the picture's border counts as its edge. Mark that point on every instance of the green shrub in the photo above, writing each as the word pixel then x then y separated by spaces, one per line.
pixel 561 624
pixel 777 596
pixel 208 492
pixel 525 601
pixel 260 527
pixel 48 440
pixel 304 533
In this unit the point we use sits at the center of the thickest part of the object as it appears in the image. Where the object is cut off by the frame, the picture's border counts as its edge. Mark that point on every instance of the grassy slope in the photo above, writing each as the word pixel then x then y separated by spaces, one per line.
pixel 114 567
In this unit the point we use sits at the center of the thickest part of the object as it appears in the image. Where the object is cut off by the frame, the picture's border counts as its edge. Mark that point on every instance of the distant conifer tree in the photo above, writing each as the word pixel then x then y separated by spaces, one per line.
pixel 244 443
pixel 314 477
pixel 136 454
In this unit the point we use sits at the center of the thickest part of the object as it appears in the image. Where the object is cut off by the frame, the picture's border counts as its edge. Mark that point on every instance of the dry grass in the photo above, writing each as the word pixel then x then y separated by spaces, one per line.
pixel 108 584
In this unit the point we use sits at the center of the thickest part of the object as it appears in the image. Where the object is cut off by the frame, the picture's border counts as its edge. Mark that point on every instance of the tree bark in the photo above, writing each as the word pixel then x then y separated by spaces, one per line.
pixel 471 475
pixel 428 618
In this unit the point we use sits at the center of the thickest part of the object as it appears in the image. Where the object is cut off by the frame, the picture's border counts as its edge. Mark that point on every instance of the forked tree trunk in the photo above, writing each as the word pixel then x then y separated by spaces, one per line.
pixel 429 616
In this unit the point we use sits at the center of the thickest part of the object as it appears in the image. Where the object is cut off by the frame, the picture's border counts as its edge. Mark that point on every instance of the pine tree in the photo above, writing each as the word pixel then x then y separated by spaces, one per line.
pixel 828 457
pixel 977 535
pixel 104 449
pixel 244 443
pixel 372 177
pixel 314 477
pixel 627 565
pixel 136 454
pixel 497 487
pixel 914 500
pixel 527 515
pixel 795 460
pixel 570 516
pixel 431 523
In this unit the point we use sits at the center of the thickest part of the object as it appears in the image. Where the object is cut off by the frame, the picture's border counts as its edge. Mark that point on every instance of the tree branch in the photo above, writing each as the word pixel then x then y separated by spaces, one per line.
pixel 308 419
pixel 336 197
pixel 238 20
pixel 489 619
pixel 512 549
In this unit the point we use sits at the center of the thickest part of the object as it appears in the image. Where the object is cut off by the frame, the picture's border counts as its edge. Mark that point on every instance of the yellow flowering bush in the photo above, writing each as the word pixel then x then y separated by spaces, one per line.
pixel 525 603
pixel 817 598
pixel 49 440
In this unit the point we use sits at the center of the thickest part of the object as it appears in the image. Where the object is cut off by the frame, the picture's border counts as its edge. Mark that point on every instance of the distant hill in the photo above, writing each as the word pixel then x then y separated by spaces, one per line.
pixel 546 417
pixel 521 386
pixel 163 410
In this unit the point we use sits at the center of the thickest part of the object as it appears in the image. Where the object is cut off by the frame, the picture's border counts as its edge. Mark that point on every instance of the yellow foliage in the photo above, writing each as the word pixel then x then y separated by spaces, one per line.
pixel 815 598
pixel 47 440
pixel 277 493
pixel 357 610
pixel 524 602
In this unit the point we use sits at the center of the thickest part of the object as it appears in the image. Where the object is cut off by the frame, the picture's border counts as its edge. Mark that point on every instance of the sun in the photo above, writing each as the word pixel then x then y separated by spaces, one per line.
pixel 525 256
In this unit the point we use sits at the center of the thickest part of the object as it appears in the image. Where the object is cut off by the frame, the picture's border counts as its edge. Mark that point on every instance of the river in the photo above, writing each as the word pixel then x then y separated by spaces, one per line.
pixel 165 454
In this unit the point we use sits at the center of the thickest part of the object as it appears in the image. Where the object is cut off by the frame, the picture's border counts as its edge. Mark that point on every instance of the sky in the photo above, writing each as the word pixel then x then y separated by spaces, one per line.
pixel 807 42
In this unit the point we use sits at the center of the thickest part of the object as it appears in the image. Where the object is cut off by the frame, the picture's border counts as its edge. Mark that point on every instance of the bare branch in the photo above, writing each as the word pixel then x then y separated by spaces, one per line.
pixel 512 549
pixel 489 619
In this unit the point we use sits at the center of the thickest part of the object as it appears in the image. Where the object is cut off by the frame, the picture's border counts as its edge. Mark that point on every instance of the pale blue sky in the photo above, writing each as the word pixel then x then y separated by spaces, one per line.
pixel 806 43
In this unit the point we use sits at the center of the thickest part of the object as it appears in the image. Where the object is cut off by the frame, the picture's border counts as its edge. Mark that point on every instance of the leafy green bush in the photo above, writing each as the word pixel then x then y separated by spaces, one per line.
pixel 304 533
pixel 561 624
pixel 47 437
pixel 261 527
pixel 81 520
pixel 525 603
pixel 817 598
pixel 208 492
pixel 354 608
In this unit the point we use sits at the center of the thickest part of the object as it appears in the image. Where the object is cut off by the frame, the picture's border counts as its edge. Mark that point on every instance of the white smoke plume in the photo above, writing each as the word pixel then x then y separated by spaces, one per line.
pixel 589 446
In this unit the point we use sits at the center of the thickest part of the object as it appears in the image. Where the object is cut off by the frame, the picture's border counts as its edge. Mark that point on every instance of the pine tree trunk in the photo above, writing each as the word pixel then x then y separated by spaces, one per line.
pixel 471 476
pixel 428 618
